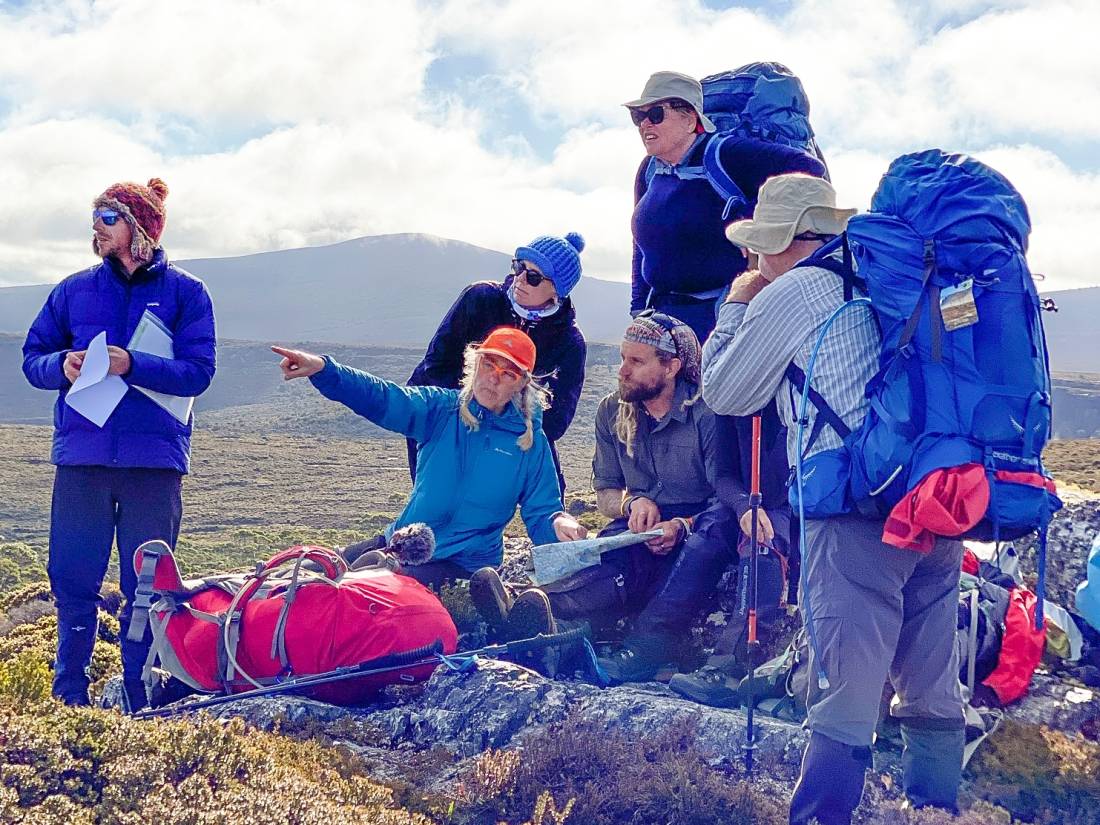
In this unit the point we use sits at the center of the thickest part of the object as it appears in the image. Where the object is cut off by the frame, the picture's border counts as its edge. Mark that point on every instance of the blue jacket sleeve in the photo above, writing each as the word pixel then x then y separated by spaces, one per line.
pixel 49 340
pixel 639 289
pixel 410 411
pixel 194 345
pixel 541 497
pixel 566 388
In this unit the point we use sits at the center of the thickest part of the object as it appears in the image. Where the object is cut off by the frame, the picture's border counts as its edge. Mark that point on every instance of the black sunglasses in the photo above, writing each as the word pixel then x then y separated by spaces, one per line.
pixel 533 277
pixel 655 114
pixel 667 322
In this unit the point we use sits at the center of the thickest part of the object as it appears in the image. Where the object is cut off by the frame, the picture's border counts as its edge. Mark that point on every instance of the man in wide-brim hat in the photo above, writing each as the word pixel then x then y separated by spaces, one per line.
pixel 879 612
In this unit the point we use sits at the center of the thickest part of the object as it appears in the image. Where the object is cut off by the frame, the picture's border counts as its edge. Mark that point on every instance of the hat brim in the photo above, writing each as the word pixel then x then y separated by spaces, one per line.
pixel 773 238
pixel 503 354
pixel 708 124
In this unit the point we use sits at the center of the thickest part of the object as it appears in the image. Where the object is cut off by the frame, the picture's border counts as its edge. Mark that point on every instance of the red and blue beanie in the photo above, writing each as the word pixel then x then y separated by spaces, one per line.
pixel 142 207
pixel 558 258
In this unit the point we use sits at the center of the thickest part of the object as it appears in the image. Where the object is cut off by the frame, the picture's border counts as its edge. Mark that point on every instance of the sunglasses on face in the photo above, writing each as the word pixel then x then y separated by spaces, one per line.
pixel 533 276
pixel 504 372
pixel 109 216
pixel 655 114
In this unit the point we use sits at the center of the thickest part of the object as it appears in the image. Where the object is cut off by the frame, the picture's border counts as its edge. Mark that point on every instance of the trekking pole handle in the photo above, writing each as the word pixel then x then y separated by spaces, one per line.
pixel 543 641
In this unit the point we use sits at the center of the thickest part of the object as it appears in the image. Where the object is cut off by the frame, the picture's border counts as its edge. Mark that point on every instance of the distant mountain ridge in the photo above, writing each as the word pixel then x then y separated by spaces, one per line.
pixel 385 290
pixel 392 290
pixel 248 395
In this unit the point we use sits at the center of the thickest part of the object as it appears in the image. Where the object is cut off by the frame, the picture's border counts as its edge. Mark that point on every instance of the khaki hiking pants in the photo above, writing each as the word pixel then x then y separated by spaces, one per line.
pixel 880 613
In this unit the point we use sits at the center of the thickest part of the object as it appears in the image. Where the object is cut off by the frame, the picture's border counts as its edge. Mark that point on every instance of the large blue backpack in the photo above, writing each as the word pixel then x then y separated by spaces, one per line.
pixel 973 388
pixel 765 101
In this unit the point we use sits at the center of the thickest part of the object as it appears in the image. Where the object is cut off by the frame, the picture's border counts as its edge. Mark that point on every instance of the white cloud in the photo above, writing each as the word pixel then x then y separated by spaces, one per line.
pixel 347 139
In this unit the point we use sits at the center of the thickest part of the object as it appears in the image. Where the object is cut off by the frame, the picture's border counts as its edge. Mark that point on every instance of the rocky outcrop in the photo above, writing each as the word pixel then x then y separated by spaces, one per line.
pixel 503 705
pixel 1068 541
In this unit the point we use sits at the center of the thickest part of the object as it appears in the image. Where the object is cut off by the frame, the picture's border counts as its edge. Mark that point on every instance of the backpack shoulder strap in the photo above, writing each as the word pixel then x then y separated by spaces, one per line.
pixel 720 179
pixel 844 268
pixel 825 413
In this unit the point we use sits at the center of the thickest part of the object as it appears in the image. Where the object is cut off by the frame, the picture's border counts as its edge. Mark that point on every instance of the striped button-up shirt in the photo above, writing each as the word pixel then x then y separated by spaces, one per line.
pixel 745 358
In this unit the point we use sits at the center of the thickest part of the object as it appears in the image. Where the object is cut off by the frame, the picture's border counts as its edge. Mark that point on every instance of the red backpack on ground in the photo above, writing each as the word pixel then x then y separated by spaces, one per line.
pixel 230 633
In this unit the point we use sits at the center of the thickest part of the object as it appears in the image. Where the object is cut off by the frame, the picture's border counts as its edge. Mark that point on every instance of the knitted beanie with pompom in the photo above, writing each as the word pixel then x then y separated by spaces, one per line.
pixel 558 258
pixel 142 207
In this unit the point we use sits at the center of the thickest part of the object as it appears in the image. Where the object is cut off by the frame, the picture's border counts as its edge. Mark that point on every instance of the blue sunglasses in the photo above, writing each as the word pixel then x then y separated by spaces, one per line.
pixel 109 216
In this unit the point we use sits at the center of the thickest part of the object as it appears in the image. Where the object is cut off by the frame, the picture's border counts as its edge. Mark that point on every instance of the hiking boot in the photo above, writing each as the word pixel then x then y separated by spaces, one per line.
pixel 631 664
pixel 377 559
pixel 492 600
pixel 709 685
pixel 530 614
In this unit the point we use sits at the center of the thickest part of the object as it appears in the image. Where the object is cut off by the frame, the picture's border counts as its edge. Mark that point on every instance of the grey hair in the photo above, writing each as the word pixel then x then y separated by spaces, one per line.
pixel 533 396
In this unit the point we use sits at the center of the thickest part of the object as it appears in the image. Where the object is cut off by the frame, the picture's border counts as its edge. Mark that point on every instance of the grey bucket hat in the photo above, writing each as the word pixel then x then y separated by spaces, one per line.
pixel 787 206
pixel 666 85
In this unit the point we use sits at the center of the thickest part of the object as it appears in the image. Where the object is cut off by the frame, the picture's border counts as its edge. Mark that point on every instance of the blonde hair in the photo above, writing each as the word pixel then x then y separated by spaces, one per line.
pixel 533 396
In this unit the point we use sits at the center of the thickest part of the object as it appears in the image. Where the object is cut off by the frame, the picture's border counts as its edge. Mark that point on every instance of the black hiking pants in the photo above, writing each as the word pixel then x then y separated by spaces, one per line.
pixel 93 507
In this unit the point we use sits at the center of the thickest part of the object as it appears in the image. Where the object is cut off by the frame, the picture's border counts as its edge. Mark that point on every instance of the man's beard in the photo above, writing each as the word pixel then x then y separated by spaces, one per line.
pixel 637 393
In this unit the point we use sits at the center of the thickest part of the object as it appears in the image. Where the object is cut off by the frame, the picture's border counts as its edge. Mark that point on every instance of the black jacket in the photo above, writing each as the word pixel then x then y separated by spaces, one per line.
pixel 482 307
pixel 734 470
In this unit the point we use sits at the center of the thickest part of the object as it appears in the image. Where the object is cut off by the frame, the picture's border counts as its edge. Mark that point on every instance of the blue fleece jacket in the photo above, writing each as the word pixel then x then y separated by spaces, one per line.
pixel 139 432
pixel 468 482
pixel 679 235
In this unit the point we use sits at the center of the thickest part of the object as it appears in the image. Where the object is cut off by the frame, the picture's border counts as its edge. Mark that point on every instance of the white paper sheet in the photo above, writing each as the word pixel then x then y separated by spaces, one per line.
pixel 95 394
pixel 152 338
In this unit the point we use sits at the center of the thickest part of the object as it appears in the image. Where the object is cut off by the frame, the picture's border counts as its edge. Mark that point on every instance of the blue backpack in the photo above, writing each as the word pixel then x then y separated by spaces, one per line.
pixel 963 370
pixel 765 101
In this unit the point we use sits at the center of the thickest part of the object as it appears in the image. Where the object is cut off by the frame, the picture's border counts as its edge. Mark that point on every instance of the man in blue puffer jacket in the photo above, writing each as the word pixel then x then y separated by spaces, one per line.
pixel 481 453
pixel 125 477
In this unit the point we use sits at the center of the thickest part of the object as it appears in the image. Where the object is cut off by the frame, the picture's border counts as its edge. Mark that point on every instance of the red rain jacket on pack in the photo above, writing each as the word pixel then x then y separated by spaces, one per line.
pixel 946 502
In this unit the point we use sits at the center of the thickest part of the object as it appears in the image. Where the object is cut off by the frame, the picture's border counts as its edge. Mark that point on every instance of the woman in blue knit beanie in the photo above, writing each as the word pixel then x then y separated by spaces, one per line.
pixel 534 297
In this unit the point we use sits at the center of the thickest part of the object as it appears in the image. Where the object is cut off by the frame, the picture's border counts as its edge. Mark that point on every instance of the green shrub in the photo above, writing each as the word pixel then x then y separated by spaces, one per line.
pixel 456 598
pixel 610 779
pixel 20 565
pixel 1039 775
pixel 24 594
pixel 25 678
pixel 82 765
pixel 38 640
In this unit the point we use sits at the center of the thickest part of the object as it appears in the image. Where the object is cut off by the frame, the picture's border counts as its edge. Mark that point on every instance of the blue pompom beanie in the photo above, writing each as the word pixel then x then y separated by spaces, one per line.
pixel 558 258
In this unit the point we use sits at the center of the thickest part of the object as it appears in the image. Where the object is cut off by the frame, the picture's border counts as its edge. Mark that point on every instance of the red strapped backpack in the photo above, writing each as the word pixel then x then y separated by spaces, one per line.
pixel 301 613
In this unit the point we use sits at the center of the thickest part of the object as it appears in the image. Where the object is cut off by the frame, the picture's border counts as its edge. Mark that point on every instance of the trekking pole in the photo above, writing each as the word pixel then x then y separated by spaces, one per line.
pixel 754 567
pixel 431 654
pixel 382 664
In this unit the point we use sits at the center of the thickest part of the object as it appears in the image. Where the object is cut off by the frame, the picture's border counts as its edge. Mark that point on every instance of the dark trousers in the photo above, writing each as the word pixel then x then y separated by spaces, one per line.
pixel 715 544
pixel 91 507
pixel 411 450
pixel 435 574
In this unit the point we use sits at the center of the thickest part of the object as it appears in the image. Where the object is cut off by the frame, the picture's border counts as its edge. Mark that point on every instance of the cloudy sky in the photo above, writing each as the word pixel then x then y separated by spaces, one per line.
pixel 282 123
